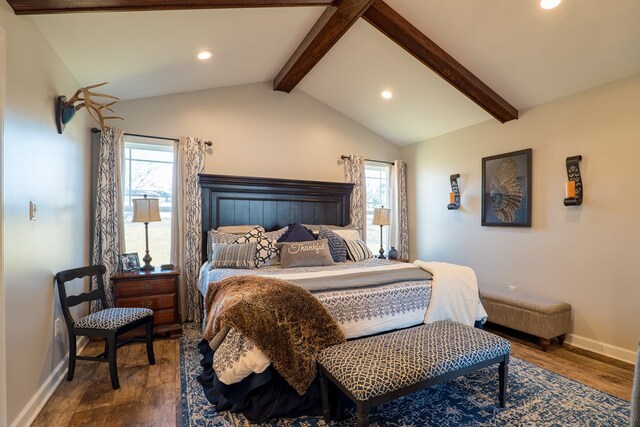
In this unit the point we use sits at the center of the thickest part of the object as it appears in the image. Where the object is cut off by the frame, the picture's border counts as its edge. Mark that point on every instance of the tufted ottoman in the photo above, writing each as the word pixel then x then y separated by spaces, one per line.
pixel 374 370
pixel 540 317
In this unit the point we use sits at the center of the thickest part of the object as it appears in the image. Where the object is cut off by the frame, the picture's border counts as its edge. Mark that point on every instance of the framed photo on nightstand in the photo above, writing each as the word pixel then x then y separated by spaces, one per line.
pixel 129 262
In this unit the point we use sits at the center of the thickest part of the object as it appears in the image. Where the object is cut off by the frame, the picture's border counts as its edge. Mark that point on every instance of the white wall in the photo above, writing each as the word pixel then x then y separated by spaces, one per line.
pixel 585 255
pixel 259 132
pixel 52 170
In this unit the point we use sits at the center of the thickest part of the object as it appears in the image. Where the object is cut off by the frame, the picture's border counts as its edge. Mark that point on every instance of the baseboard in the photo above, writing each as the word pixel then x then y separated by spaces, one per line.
pixel 602 348
pixel 37 402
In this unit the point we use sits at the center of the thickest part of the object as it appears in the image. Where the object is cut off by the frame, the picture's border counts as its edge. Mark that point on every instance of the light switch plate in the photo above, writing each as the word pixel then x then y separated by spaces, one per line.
pixel 33 210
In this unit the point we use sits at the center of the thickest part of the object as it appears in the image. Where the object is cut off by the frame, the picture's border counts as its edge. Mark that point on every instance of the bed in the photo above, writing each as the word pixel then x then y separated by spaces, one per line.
pixel 367 297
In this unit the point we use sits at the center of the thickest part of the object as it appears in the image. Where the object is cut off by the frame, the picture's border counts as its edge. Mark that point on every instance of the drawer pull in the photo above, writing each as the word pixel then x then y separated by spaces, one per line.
pixel 147 287
pixel 147 303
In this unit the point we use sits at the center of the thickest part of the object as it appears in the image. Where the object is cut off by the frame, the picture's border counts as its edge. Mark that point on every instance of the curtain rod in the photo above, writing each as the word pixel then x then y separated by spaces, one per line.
pixel 96 130
pixel 370 160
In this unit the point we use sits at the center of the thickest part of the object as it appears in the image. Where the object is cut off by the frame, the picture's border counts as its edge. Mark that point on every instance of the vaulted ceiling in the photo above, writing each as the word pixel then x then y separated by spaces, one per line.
pixel 515 54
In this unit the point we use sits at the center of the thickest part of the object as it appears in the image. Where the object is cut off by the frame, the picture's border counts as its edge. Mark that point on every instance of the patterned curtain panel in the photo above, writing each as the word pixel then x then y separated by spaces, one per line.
pixel 108 238
pixel 399 233
pixel 354 173
pixel 186 234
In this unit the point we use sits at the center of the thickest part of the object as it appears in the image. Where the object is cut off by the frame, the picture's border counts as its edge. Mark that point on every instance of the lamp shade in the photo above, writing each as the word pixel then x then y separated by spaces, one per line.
pixel 381 216
pixel 146 210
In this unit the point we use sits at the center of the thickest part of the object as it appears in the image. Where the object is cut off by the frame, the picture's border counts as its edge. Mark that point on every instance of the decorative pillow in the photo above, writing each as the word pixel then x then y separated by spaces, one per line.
pixel 214 237
pixel 296 233
pixel 348 233
pixel 358 250
pixel 265 247
pixel 337 247
pixel 305 254
pixel 236 229
pixel 234 255
pixel 315 228
pixel 275 235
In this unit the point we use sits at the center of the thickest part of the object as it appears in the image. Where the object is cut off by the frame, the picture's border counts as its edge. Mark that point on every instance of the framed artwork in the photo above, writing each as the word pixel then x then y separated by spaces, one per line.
pixel 129 262
pixel 506 189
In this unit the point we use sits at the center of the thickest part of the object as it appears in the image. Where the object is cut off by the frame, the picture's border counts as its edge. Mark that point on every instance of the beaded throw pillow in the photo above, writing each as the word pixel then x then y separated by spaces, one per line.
pixel 305 254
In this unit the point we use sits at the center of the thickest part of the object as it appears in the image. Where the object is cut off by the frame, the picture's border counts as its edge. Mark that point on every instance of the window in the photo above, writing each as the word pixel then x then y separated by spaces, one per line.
pixel 377 193
pixel 148 170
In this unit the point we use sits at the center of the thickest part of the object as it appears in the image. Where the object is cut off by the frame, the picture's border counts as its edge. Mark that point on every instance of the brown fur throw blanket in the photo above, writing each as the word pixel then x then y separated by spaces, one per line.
pixel 286 322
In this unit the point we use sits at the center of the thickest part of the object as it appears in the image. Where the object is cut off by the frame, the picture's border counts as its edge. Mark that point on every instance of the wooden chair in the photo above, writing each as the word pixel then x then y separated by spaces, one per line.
pixel 107 323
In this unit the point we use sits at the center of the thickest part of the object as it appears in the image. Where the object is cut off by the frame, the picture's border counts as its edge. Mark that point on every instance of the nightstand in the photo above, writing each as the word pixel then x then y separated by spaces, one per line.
pixel 157 290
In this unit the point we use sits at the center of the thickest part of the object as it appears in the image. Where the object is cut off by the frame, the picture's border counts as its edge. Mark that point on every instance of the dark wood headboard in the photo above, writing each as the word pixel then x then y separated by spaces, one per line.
pixel 270 202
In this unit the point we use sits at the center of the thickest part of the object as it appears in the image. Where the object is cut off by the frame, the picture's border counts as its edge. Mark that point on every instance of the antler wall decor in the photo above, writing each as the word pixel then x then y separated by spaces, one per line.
pixel 66 109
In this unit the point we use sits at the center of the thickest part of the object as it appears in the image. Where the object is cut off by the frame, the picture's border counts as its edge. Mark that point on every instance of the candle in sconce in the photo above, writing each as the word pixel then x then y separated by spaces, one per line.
pixel 452 198
pixel 571 190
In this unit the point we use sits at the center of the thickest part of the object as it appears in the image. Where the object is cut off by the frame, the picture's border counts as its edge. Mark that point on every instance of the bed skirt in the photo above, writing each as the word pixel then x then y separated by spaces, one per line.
pixel 263 396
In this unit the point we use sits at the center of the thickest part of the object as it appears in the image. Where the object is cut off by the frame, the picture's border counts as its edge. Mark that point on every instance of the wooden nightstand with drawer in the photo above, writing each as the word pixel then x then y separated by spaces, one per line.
pixel 157 290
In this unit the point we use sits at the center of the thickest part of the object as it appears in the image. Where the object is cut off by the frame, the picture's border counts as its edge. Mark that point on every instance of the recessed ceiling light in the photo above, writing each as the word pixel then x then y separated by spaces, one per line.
pixel 386 94
pixel 205 54
pixel 549 4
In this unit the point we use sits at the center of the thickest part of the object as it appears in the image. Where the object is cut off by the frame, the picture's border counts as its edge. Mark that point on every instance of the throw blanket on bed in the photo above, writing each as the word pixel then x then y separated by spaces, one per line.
pixel 286 322
pixel 454 293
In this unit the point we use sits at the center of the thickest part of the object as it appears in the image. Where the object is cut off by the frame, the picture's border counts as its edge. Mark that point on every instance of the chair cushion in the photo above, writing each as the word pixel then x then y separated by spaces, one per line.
pixel 378 365
pixel 112 318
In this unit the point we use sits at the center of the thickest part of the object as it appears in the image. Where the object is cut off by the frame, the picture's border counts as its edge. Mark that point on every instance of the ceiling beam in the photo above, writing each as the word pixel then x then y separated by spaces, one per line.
pixel 36 7
pixel 398 29
pixel 332 24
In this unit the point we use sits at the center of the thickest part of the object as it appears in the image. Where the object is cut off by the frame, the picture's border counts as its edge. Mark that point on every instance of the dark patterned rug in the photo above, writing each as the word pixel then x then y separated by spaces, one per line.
pixel 536 397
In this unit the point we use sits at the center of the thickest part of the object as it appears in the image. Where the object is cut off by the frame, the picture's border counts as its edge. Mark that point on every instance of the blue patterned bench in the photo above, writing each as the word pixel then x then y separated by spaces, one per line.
pixel 375 370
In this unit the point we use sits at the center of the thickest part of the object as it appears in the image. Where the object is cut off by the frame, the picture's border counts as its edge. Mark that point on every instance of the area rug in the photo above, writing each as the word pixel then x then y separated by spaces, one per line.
pixel 535 397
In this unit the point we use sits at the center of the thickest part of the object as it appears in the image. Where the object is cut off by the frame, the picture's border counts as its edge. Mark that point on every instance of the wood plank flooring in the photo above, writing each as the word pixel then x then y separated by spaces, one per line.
pixel 150 395
pixel 599 372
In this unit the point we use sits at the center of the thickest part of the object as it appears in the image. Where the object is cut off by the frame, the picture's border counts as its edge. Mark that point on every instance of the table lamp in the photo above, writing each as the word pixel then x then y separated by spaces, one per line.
pixel 381 217
pixel 146 210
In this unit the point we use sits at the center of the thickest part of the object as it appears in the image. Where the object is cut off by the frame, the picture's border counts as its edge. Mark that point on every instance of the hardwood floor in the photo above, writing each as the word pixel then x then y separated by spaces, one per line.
pixel 600 372
pixel 150 395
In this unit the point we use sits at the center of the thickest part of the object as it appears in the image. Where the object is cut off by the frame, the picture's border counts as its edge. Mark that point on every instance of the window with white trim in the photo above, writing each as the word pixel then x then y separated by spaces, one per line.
pixel 148 170
pixel 377 194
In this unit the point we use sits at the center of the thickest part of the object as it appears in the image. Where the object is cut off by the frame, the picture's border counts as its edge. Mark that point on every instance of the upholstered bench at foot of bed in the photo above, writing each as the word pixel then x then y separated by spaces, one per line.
pixel 540 317
pixel 374 370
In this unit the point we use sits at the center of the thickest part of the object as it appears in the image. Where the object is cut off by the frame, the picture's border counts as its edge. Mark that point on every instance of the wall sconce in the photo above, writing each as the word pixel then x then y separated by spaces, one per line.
pixel 574 188
pixel 454 196
pixel 66 109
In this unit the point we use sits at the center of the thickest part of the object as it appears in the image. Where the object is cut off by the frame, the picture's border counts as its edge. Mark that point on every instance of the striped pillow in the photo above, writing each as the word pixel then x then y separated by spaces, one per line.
pixel 358 250
pixel 234 255
pixel 215 237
